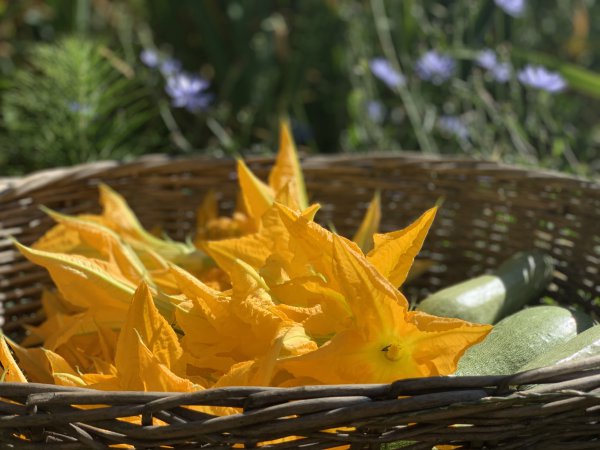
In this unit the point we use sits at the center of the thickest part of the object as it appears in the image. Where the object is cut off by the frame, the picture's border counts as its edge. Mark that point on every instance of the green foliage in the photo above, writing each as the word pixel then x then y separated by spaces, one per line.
pixel 310 60
pixel 264 59
pixel 502 121
pixel 71 105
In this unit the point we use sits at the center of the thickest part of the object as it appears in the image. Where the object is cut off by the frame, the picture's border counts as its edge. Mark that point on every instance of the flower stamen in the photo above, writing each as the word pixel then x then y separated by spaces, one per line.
pixel 393 352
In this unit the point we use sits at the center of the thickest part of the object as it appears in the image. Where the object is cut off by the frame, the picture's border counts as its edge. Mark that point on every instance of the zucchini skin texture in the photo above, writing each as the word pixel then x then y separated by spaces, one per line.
pixel 520 338
pixel 583 346
pixel 489 298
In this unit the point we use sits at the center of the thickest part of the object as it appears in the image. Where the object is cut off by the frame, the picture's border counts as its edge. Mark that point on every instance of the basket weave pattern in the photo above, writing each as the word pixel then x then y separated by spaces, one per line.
pixel 490 211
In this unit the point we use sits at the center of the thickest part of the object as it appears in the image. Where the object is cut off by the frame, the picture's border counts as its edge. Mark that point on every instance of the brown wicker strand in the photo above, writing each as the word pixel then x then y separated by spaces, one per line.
pixel 490 211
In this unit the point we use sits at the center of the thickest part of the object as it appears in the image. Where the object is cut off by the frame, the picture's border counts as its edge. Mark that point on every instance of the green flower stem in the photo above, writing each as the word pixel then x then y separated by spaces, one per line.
pixel 427 145
pixel 178 137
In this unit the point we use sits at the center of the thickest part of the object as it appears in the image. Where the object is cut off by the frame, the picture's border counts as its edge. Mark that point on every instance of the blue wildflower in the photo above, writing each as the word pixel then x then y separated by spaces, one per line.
pixel 498 70
pixel 435 67
pixel 375 111
pixel 170 66
pixel 539 77
pixel 513 8
pixel 501 73
pixel 150 58
pixel 487 59
pixel 74 106
pixel 79 108
pixel 454 126
pixel 382 69
pixel 188 91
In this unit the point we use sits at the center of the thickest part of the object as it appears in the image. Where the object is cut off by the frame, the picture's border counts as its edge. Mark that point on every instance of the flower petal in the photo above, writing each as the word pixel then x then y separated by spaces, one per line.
pixel 369 225
pixel 394 252
pixel 11 371
pixel 256 195
pixel 144 321
pixel 439 342
pixel 287 170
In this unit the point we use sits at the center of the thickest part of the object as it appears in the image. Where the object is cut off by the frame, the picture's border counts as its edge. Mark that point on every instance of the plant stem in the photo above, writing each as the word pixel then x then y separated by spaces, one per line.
pixel 83 12
pixel 221 134
pixel 178 138
pixel 427 145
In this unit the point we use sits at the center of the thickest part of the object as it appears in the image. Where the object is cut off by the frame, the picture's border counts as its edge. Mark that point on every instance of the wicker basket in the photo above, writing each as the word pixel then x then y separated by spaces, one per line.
pixel 489 212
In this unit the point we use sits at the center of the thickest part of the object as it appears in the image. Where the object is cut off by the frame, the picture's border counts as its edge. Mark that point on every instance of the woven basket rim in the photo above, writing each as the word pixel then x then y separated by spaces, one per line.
pixel 492 404
pixel 16 186
pixel 271 413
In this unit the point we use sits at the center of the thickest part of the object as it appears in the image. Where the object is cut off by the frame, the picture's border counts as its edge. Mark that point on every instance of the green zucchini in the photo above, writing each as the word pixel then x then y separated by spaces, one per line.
pixel 580 347
pixel 520 338
pixel 489 298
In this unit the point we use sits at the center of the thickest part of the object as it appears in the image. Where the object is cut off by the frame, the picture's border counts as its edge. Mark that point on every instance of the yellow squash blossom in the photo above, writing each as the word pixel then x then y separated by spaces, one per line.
pixel 285 185
pixel 268 297
pixel 393 253
pixel 10 370
pixel 385 341
pixel 369 225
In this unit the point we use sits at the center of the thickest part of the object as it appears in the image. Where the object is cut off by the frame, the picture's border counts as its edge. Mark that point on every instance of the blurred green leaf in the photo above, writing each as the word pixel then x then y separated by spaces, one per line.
pixel 586 81
pixel 70 105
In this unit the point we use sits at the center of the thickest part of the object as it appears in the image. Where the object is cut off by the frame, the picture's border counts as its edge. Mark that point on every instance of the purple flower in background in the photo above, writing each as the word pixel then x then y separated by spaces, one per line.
pixel 513 8
pixel 435 67
pixel 376 111
pixel 487 59
pixel 539 77
pixel 188 91
pixel 149 57
pixel 454 126
pixel 153 59
pixel 382 69
pixel 500 71
pixel 170 66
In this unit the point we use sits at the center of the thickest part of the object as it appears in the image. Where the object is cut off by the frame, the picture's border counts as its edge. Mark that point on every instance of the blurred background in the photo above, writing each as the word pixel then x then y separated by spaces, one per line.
pixel 510 80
